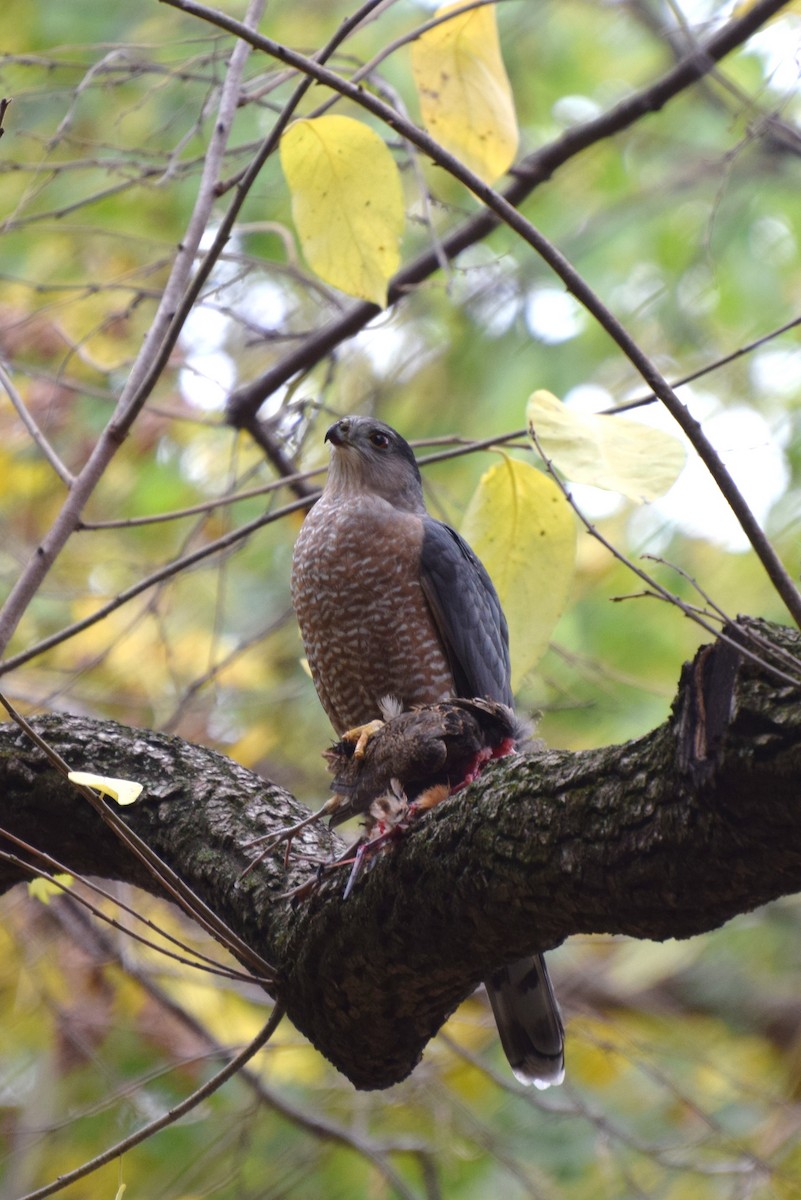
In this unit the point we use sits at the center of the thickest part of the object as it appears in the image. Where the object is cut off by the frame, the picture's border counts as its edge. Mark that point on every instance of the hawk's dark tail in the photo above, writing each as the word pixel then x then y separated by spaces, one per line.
pixel 528 1021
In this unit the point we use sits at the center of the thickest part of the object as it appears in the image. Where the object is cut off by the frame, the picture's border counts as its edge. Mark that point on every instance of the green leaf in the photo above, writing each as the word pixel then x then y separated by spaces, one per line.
pixel 524 531
pixel 465 98
pixel 607 451
pixel 347 203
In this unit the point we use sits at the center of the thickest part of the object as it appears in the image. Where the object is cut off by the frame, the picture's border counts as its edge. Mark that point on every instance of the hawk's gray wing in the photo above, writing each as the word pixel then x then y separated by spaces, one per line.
pixel 474 633
pixel 467 614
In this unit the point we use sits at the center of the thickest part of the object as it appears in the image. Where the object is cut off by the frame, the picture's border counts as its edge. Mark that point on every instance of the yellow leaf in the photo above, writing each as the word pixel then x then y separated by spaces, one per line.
pixel 347 203
pixel 465 98
pixel 45 889
pixel 607 451
pixel 524 531
pixel 124 791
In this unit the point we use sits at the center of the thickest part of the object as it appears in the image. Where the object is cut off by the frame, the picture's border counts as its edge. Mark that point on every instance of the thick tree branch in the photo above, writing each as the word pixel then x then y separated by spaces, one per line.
pixel 666 836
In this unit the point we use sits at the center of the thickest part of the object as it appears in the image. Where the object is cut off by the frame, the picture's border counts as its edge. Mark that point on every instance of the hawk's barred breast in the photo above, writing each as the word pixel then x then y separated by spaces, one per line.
pixel 365 623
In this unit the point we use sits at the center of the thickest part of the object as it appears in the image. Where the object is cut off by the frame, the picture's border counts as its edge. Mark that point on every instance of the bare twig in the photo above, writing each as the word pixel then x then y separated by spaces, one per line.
pixel 534 170
pixel 173 568
pixel 168 1118
pixel 6 382
pixel 318 1125
pixel 778 134
pixel 691 69
pixel 216 668
pixel 192 510
pixel 656 589
pixel 724 617
pixel 173 885
pixel 141 379
pixel 43 866
pixel 204 506
pixel 707 369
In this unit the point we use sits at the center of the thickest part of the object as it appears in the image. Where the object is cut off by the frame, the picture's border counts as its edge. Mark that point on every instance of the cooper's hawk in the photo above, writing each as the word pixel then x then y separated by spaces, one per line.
pixel 393 603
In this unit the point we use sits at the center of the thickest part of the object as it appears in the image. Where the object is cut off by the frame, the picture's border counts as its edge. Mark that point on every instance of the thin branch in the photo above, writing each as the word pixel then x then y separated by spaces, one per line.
pixel 708 368
pixel 534 170
pixel 319 1126
pixel 204 506
pixel 722 616
pixel 6 382
pixel 41 865
pixel 141 379
pixel 171 883
pixel 778 134
pixel 171 722
pixel 145 174
pixel 172 568
pixel 275 453
pixel 467 445
pixel 657 590
pixel 182 309
pixel 168 1118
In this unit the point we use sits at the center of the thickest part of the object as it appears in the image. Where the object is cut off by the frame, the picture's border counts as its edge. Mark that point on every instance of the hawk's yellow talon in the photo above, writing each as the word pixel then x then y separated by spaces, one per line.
pixel 361 735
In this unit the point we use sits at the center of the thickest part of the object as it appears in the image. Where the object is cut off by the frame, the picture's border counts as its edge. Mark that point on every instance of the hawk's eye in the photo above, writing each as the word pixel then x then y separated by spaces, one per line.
pixel 379 440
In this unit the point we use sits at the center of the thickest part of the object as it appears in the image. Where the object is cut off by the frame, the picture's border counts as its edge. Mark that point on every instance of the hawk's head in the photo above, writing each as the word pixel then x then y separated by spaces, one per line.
pixel 369 456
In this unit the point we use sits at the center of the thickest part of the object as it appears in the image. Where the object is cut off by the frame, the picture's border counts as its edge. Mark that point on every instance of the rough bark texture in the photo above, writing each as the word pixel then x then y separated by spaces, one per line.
pixel 666 836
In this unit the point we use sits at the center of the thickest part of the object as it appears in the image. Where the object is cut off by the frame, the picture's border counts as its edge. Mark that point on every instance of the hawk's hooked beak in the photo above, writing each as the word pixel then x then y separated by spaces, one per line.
pixel 337 435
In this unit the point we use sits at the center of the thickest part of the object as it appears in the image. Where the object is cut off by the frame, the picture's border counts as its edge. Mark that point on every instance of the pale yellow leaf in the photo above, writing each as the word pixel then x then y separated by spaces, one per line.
pixel 44 889
pixel 465 99
pixel 524 531
pixel 347 203
pixel 607 451
pixel 124 791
